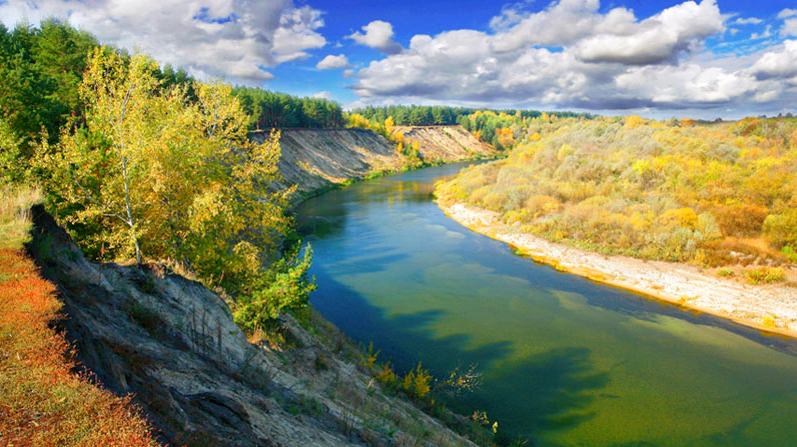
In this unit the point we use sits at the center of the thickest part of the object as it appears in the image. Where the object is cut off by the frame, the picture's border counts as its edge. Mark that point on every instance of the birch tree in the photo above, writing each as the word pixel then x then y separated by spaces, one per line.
pixel 155 175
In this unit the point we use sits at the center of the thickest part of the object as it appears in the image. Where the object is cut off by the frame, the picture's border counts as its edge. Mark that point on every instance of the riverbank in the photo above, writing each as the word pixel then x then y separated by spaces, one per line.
pixel 770 308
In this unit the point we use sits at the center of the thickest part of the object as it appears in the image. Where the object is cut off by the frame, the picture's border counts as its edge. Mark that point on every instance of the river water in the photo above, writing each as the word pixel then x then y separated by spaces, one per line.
pixel 566 361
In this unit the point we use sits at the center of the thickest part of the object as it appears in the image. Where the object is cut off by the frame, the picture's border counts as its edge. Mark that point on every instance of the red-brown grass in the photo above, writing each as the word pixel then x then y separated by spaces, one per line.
pixel 42 401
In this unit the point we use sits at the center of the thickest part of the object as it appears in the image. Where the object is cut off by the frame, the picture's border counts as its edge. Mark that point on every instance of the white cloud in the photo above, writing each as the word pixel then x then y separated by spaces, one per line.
pixel 348 73
pixel 748 21
pixel 786 13
pixel 323 95
pixel 778 64
pixel 379 35
pixel 209 38
pixel 789 28
pixel 656 39
pixel 767 33
pixel 333 62
pixel 573 55
pixel 685 85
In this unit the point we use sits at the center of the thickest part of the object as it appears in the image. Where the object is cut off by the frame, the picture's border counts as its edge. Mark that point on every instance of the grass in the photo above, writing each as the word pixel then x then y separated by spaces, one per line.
pixel 15 203
pixel 42 401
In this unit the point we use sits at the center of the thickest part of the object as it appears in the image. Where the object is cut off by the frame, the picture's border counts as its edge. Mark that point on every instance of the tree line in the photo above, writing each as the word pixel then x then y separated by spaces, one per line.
pixel 270 110
pixel 483 123
pixel 417 115
pixel 42 68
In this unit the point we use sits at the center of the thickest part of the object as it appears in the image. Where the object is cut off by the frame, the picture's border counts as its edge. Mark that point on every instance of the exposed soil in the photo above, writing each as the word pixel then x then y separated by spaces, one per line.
pixel 315 159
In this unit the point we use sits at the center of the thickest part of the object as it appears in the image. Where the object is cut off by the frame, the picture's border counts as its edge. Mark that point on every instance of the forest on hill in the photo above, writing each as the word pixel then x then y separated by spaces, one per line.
pixel 709 194
pixel 42 68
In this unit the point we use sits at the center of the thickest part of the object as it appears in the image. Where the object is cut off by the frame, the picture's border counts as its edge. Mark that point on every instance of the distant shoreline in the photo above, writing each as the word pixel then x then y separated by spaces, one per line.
pixel 769 308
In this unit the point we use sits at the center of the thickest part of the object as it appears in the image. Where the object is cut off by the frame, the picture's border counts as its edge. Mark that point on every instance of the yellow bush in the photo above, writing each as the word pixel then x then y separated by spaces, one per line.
pixel 765 275
pixel 541 205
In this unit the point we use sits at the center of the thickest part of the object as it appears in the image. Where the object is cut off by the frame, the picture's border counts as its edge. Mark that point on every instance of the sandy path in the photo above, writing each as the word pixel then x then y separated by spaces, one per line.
pixel 771 308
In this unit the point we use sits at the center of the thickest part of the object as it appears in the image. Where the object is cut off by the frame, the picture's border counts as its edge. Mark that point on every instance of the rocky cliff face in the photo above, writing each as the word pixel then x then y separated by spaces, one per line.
pixel 317 158
pixel 173 344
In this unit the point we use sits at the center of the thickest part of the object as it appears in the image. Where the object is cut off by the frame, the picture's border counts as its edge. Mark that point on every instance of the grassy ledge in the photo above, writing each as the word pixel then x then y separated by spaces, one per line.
pixel 42 401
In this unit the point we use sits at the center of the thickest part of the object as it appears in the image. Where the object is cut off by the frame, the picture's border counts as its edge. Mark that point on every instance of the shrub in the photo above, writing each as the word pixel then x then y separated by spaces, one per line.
pixel 283 286
pixel 541 205
pixel 740 220
pixel 781 229
pixel 386 376
pixel 765 275
pixel 789 252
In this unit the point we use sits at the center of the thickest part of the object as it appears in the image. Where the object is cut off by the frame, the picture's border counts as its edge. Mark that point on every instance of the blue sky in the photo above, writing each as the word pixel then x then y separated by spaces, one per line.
pixel 704 59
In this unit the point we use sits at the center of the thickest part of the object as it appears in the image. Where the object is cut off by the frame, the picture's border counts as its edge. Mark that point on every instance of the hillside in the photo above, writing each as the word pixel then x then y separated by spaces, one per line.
pixel 173 344
pixel 711 194
pixel 444 143
pixel 317 158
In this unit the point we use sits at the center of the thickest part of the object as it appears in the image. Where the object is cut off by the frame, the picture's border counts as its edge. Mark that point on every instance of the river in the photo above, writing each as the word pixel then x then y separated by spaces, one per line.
pixel 565 361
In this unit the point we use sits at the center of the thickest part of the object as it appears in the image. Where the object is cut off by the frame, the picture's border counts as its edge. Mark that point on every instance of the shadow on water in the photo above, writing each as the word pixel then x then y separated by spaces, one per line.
pixel 560 383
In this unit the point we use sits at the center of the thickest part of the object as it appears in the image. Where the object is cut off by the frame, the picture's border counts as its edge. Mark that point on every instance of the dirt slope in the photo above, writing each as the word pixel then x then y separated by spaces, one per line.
pixel 445 143
pixel 173 344
pixel 317 158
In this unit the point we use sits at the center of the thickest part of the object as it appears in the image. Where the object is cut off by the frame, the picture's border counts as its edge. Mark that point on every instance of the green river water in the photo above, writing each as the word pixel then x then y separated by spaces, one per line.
pixel 566 361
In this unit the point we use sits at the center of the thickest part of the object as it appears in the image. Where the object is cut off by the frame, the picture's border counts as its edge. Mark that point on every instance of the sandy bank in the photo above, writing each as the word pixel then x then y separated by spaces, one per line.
pixel 771 308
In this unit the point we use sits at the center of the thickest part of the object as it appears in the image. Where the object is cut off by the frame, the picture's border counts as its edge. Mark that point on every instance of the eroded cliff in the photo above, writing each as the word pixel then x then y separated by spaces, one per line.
pixel 173 344
pixel 445 143
pixel 315 159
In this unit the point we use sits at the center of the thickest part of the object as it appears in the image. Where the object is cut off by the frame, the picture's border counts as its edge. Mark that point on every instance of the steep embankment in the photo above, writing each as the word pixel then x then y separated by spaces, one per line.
pixel 314 159
pixel 173 344
pixel 444 143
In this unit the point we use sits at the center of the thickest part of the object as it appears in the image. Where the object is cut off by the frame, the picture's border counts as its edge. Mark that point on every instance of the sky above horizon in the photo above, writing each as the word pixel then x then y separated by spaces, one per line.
pixel 660 59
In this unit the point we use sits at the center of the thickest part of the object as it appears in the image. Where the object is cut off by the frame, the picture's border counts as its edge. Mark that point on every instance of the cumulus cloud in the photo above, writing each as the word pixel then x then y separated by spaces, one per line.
pixel 210 38
pixel 778 64
pixel 574 54
pixel 379 35
pixel 656 39
pixel 333 62
pixel 688 85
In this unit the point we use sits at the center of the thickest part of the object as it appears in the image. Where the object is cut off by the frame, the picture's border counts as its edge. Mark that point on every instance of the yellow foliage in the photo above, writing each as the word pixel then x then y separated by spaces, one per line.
pixel 564 151
pixel 666 190
pixel 632 122
pixel 156 175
